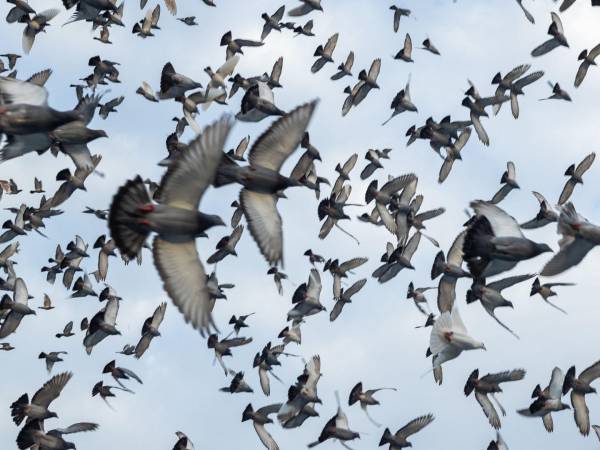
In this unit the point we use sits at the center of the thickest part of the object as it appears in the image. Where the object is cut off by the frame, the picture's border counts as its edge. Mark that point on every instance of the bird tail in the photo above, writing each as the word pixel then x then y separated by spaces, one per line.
pixel 569 378
pixel 247 414
pixel 386 438
pixel 17 409
pixel 477 239
pixel 371 191
pixel 42 355
pixel 438 265
pixel 411 290
pixel 125 217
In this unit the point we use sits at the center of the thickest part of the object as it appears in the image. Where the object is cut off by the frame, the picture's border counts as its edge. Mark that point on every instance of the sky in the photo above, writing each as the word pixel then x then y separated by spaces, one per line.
pixel 374 340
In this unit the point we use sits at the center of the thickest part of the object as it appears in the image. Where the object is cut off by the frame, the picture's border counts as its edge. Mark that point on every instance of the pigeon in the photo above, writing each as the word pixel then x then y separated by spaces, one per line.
pixel 418 296
pixel 366 399
pixel 223 347
pixel 494 242
pixel 587 60
pixel 477 106
pixel 498 444
pixel 400 438
pixel 336 428
pixel 277 277
pixel 146 91
pixel 67 331
pixel 133 216
pixel 306 7
pixel 490 295
pixel 189 20
pixel 104 391
pixel 306 298
pixel 428 45
pixel 37 409
pixel 238 153
pixel 150 330
pixel 545 215
pixel 545 291
pixel 368 80
pixel 558 39
pixel 184 442
pixel 453 153
pixel 490 384
pixel 405 54
pixel 35 25
pixel 344 69
pixel 237 384
pixel 324 54
pixel 173 84
pixel 304 392
pixel 259 419
pixel 398 13
pixel 272 22
pixel 18 307
pixel 51 358
pixel 234 46
pixel 226 245
pixel 449 338
pixel 557 93
pixel 344 296
pixel 580 387
pixel 402 102
pixel 547 401
pixel 120 373
pixel 32 435
pixel 110 106
pixel 575 175
pixel 528 15
pixel 262 181
pixel 102 325
pixel 397 259
pixel 239 322
pixel 144 27
pixel 508 181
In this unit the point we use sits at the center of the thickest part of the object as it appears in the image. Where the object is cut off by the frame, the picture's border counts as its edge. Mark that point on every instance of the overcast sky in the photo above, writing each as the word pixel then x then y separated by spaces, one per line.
pixel 374 340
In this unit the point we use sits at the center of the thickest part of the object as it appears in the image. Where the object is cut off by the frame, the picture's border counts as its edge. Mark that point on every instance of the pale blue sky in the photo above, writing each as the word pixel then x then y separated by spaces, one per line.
pixel 374 340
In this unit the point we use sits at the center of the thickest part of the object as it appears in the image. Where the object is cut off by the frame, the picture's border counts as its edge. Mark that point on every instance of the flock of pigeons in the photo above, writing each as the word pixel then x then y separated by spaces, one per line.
pixel 163 216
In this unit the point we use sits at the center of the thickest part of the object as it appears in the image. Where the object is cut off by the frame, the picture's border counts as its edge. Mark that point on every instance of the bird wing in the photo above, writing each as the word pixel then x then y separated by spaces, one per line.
pixel 302 10
pixel 194 170
pixel 21 92
pixel 415 425
pixel 159 314
pixel 502 377
pixel 265 383
pixel 581 412
pixel 330 45
pixel 265 437
pixel 507 282
pixel 569 255
pixel 77 428
pixel 352 264
pixel 276 144
pixel 556 384
pixel 591 373
pixel 502 223
pixel 184 280
pixel 455 254
pixel 488 409
pixel 143 345
pixel 446 293
pixel 264 223
pixel 584 165
pixel 567 191
pixel 51 389
pixel 375 68
pixel 546 47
